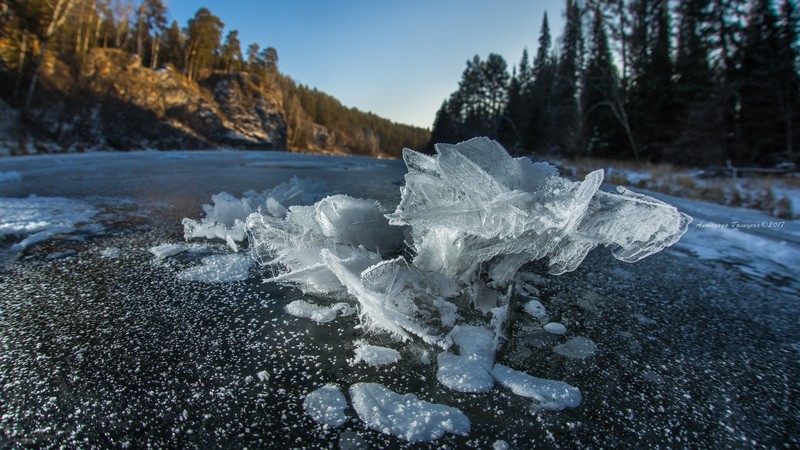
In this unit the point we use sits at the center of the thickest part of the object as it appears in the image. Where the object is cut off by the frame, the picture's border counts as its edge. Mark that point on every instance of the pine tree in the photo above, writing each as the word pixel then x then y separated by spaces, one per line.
pixel 567 110
pixel 203 34
pixel 651 93
pixel 789 68
pixel 699 135
pixel 231 52
pixel 762 85
pixel 601 97
pixel 515 117
pixel 172 50
pixel 445 128
pixel 538 96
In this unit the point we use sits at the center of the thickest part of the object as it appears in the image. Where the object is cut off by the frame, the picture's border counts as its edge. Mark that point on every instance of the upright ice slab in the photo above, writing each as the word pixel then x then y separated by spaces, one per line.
pixel 472 208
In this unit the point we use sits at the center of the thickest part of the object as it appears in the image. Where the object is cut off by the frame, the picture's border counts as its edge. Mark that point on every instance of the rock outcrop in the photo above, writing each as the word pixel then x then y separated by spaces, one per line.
pixel 116 103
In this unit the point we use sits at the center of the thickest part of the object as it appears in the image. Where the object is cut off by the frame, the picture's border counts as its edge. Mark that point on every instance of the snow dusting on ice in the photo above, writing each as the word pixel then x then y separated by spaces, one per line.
pixel 405 416
pixel 163 251
pixel 318 313
pixel 555 328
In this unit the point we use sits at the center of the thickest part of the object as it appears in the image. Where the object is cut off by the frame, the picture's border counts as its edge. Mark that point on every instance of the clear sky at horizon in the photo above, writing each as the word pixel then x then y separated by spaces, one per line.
pixel 397 59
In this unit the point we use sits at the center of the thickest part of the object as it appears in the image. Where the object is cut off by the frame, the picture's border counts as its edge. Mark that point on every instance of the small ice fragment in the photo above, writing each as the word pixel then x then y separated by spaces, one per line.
pixel 462 373
pixel 653 377
pixel 551 394
pixel 500 445
pixel 317 313
pixel 469 371
pixel 326 405
pixel 374 355
pixel 219 269
pixel 644 320
pixel 405 416
pixel 555 328
pixel 535 309
pixel 111 252
pixel 577 348
pixel 164 251
pixel 263 376
pixel 61 255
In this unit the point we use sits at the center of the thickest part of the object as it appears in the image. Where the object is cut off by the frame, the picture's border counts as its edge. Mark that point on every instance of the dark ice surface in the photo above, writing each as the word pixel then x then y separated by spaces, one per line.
pixel 99 351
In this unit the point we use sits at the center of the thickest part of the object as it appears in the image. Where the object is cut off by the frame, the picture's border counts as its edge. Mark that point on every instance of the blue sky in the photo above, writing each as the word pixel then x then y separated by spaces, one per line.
pixel 398 59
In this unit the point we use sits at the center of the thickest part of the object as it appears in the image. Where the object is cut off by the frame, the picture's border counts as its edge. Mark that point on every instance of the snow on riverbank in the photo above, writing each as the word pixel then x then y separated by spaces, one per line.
pixel 36 219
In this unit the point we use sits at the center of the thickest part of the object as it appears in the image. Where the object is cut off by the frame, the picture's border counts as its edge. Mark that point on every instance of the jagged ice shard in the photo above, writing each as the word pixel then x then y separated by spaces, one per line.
pixel 472 208
pixel 469 218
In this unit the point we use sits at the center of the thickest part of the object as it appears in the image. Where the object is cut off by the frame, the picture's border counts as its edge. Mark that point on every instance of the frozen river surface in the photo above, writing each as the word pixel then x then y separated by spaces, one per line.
pixel 103 345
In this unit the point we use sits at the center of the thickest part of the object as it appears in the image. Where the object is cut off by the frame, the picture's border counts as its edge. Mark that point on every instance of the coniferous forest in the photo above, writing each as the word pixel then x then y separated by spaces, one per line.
pixel 690 82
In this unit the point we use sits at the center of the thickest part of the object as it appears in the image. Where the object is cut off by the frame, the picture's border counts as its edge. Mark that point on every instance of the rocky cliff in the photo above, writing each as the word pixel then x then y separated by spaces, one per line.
pixel 113 102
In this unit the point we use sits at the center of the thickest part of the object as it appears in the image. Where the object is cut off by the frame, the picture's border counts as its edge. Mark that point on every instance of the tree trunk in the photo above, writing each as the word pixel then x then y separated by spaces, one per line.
pixel 23 53
pixel 60 13
pixel 154 52
pixel 35 77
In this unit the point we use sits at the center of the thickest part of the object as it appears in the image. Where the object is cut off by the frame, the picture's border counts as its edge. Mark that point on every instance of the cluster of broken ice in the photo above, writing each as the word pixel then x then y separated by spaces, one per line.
pixel 224 218
pixel 469 218
pixel 440 267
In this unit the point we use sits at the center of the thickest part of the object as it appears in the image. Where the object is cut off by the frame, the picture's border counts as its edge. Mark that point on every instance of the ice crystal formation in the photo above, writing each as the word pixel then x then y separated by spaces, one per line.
pixel 469 218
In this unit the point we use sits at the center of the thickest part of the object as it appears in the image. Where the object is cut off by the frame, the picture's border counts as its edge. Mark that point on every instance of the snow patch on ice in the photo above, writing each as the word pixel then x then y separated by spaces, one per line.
pixel 535 309
pixel 326 405
pixel 405 416
pixel 10 177
pixel 555 328
pixel 219 269
pixel 111 252
pixel 163 251
pixel 318 313
pixel 551 394
pixel 374 355
pixel 469 371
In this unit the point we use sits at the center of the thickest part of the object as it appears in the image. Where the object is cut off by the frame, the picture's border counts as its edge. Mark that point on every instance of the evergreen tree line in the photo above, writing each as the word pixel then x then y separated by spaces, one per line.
pixel 70 29
pixel 692 82
pixel 358 131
